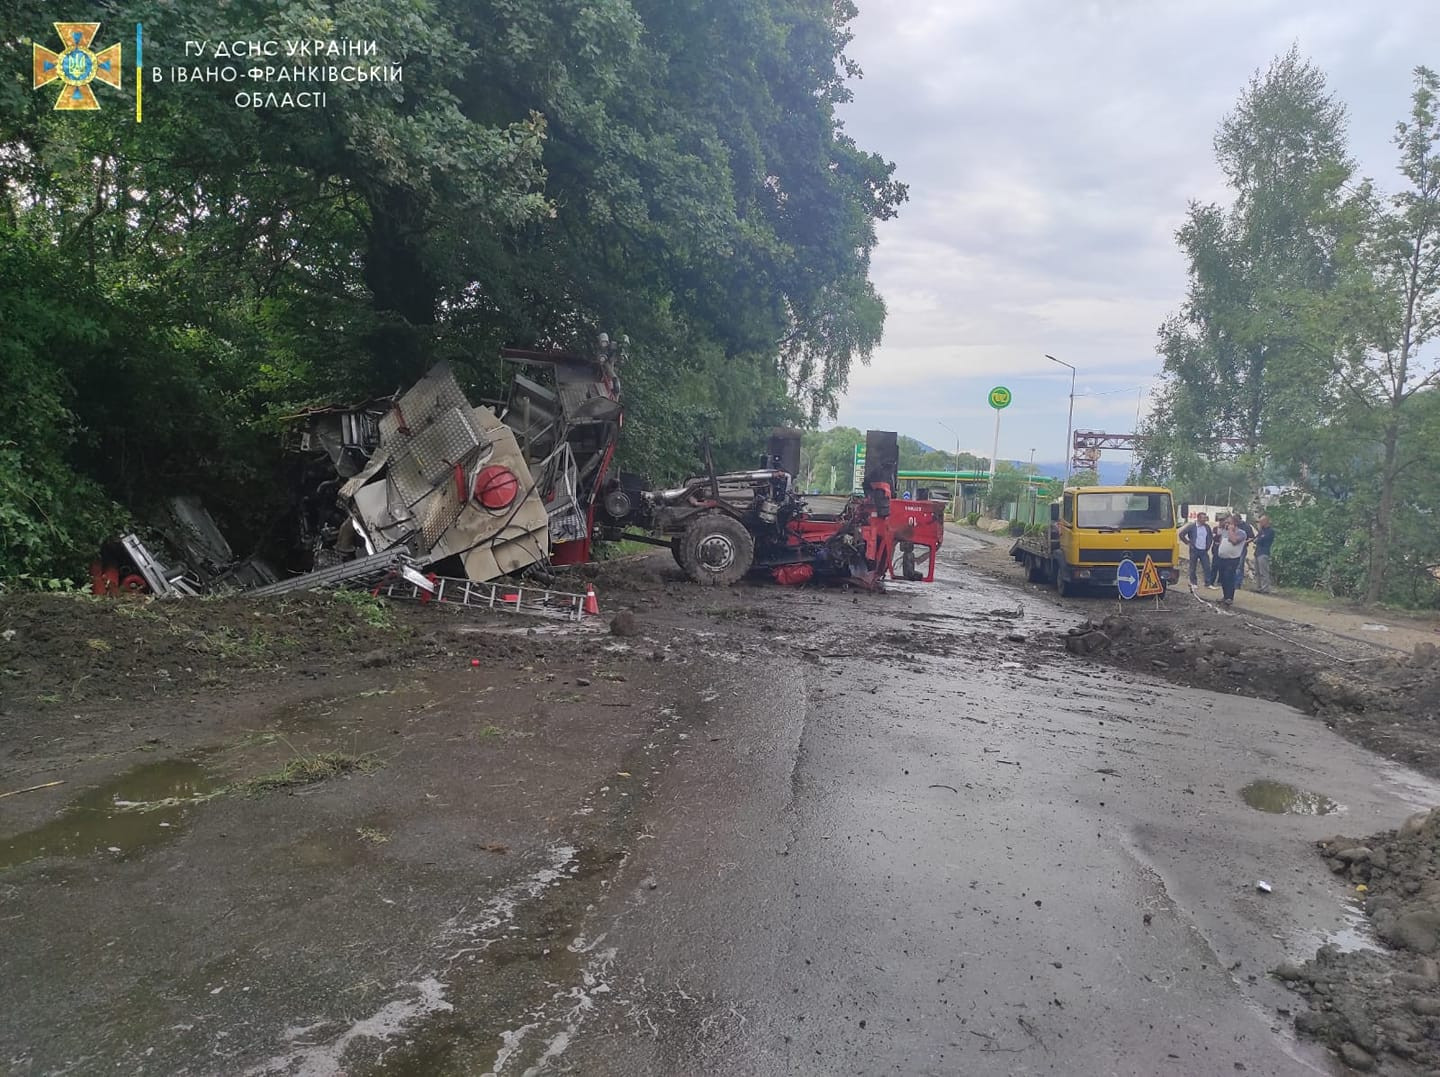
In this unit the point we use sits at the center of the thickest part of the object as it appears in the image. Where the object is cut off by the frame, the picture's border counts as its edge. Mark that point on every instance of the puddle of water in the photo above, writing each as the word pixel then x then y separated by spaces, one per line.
pixel 1354 935
pixel 142 807
pixel 1283 799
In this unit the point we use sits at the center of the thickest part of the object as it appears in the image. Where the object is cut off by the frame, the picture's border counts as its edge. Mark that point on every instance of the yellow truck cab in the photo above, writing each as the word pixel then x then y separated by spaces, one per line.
pixel 1093 528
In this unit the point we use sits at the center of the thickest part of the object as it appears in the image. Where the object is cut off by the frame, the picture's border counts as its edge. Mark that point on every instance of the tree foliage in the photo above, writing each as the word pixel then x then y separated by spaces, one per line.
pixel 545 170
pixel 1308 332
pixel 1239 353
pixel 1394 307
pixel 827 458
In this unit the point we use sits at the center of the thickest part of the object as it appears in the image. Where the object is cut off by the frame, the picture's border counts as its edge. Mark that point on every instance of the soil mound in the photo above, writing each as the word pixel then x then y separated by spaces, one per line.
pixel 1385 701
pixel 60 650
pixel 1377 1008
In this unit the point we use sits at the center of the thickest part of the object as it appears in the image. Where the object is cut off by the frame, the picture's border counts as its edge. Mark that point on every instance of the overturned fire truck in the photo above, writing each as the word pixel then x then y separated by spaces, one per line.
pixel 468 491
pixel 428 485
pixel 465 490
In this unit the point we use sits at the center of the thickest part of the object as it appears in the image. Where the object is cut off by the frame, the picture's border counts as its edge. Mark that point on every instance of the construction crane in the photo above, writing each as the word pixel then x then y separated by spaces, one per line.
pixel 1087 445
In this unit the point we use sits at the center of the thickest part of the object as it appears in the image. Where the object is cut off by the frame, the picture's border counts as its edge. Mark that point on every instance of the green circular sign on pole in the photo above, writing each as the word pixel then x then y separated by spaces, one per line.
pixel 1000 397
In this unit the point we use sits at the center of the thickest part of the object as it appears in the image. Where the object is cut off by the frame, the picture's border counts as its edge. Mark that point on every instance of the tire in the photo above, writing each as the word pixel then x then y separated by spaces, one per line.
pixel 716 550
pixel 1034 571
pixel 1064 586
pixel 677 551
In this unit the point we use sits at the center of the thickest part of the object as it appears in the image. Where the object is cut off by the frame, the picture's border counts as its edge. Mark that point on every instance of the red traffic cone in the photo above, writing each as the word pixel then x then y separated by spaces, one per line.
pixel 591 605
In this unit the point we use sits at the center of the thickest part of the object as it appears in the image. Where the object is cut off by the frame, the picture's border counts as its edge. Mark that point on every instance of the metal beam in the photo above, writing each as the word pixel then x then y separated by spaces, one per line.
pixel 1087 445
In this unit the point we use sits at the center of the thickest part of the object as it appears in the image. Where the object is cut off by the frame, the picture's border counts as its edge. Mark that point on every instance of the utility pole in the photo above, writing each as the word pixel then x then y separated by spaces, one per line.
pixel 955 486
pixel 1070 421
pixel 995 450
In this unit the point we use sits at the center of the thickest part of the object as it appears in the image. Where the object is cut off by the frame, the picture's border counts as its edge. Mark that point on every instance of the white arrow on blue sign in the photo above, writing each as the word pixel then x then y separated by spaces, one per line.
pixel 1127 578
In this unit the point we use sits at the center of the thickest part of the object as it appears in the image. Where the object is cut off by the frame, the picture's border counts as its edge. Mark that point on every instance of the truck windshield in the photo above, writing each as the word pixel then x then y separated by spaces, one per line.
pixel 1124 511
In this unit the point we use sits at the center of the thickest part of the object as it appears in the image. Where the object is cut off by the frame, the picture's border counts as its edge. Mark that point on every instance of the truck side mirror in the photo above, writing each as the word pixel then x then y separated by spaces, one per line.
pixel 1054 512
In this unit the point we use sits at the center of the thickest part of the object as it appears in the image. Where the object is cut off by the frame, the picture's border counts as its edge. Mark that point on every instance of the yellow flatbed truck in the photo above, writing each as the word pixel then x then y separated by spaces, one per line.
pixel 1093 528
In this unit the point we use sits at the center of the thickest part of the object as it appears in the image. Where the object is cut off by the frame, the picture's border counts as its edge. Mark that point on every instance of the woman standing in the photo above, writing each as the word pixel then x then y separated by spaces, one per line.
pixel 1227 556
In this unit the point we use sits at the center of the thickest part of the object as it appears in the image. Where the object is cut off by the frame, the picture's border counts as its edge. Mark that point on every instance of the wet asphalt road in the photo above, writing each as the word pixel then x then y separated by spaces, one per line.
pixel 1003 860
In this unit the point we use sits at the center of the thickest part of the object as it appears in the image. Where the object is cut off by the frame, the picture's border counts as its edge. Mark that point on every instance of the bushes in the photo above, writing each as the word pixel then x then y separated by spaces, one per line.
pixel 1325 545
pixel 52 516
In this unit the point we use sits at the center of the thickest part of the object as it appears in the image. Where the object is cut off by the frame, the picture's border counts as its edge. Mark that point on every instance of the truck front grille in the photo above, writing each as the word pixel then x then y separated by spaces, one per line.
pixel 1114 557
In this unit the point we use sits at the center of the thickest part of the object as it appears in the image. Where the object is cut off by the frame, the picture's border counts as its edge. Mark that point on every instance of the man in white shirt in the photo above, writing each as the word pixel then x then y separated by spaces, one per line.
pixel 1199 536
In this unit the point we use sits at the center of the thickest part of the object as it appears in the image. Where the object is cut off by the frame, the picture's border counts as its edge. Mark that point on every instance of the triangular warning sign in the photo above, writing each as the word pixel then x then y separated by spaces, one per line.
pixel 1150 580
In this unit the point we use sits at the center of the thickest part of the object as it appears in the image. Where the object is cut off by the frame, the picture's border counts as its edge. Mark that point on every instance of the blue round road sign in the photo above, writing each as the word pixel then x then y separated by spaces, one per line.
pixel 1127 578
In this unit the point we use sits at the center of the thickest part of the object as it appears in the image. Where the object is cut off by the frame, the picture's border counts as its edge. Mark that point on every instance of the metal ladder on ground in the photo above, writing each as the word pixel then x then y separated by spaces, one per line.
pixel 163 582
pixel 378 564
pixel 499 595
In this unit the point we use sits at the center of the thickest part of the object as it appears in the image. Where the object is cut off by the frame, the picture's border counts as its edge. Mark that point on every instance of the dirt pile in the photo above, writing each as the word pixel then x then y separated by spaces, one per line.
pixel 60 650
pixel 635 574
pixel 1388 702
pixel 1381 1010
pixel 1400 871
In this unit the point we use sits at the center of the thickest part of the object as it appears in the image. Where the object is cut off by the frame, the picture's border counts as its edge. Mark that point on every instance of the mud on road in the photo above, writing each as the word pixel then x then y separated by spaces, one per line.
pixel 1382 697
pixel 309 836
pixel 292 829
pixel 1377 1006
pixel 330 833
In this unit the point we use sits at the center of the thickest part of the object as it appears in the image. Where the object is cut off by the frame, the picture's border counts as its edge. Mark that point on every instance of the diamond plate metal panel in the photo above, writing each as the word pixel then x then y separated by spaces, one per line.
pixel 429 457
pixel 429 397
pixel 567 526
pixel 447 441
pixel 439 513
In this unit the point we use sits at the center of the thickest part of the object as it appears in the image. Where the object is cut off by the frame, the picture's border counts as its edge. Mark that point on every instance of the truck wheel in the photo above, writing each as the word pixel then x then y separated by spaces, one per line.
pixel 1064 586
pixel 716 550
pixel 677 546
pixel 1034 570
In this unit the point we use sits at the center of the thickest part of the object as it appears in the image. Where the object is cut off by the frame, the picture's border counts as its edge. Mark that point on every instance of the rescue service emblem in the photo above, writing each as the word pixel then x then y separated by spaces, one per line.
pixel 76 67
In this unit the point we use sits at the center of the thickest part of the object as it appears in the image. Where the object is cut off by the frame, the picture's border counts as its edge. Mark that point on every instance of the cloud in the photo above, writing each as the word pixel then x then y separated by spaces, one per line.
pixel 1051 151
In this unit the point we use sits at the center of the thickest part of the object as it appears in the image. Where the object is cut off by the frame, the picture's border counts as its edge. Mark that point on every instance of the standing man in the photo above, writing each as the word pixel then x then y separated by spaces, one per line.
pixel 1197 535
pixel 1264 539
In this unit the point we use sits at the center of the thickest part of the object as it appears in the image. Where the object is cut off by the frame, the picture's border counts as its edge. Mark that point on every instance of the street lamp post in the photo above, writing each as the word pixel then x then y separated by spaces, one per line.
pixel 955 488
pixel 1033 493
pixel 1070 420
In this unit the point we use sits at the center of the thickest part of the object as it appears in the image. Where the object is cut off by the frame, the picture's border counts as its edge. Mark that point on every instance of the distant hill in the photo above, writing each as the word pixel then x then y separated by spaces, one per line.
pixel 917 444
pixel 1111 472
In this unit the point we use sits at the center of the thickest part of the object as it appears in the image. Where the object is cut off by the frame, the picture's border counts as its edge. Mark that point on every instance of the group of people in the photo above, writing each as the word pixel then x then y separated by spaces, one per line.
pixel 1217 552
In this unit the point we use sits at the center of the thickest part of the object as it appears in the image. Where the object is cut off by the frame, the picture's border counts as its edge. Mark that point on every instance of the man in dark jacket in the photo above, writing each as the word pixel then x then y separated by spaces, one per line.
pixel 1264 539
pixel 1198 536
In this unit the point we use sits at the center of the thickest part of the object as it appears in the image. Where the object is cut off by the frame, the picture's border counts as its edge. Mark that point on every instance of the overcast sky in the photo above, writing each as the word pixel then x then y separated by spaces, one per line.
pixel 1051 148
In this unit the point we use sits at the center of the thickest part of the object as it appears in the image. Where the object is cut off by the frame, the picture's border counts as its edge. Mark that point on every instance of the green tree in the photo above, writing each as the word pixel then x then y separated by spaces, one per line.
pixel 1241 357
pixel 1007 486
pixel 674 171
pixel 1396 306
pixel 51 519
pixel 827 458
